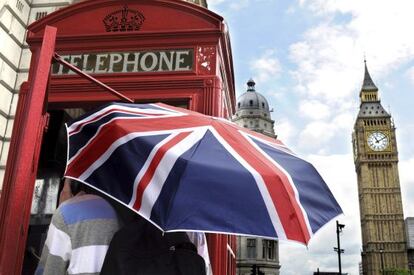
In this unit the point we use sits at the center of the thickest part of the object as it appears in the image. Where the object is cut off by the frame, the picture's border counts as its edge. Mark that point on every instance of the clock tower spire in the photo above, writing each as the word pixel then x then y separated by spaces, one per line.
pixel 376 166
pixel 369 92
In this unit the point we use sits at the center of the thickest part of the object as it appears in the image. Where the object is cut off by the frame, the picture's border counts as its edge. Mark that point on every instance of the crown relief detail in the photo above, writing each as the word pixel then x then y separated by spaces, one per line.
pixel 124 20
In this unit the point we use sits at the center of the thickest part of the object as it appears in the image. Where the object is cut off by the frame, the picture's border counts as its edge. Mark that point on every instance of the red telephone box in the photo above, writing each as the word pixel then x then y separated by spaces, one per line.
pixel 166 51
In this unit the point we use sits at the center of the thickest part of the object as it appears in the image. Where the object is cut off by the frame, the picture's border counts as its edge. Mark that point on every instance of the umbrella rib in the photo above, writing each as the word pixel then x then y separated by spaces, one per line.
pixel 296 198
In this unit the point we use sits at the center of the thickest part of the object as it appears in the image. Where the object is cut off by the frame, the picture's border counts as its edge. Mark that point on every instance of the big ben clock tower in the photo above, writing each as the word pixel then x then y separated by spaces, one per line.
pixel 376 160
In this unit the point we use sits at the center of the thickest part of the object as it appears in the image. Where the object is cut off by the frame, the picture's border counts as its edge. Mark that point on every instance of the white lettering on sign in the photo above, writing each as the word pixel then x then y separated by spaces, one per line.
pixel 166 60
pixel 128 62
pixel 148 64
pixel 114 59
pixel 100 61
pixel 85 64
pixel 179 61
pixel 75 59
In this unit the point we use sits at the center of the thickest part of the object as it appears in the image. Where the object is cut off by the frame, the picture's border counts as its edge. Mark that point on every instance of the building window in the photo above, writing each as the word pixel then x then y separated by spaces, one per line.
pixel 238 105
pixel 251 102
pixel 251 248
pixel 40 15
pixel 269 249
pixel 19 5
pixel 263 105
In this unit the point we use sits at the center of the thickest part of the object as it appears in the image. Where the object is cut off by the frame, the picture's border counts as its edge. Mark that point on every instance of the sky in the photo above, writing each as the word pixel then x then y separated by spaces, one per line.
pixel 306 57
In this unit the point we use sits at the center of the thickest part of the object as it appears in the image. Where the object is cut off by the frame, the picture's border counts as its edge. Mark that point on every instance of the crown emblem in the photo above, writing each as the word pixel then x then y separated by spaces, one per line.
pixel 123 20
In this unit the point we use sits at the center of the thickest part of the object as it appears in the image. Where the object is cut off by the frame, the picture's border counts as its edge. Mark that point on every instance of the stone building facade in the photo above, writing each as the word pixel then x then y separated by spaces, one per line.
pixel 409 230
pixel 253 112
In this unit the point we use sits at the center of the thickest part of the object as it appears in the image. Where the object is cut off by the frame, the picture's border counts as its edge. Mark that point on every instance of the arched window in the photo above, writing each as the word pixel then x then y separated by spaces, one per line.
pixel 251 102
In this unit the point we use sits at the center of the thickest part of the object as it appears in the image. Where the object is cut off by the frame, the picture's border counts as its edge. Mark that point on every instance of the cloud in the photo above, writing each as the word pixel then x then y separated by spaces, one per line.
pixel 344 120
pixel 410 74
pixel 315 134
pixel 314 109
pixel 318 134
pixel 266 66
pixel 237 5
pixel 407 186
pixel 285 130
pixel 326 67
pixel 233 5
pixel 328 70
pixel 216 2
pixel 329 57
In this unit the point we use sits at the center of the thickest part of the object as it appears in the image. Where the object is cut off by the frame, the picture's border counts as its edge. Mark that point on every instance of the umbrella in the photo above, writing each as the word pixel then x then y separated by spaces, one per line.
pixel 184 171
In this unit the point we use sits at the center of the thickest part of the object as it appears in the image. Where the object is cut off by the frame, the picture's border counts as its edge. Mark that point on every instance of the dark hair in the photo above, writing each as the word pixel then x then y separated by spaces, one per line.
pixel 77 186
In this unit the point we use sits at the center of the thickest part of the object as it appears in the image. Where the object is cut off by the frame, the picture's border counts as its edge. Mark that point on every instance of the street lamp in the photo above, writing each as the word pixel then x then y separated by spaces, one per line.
pixel 381 251
pixel 338 249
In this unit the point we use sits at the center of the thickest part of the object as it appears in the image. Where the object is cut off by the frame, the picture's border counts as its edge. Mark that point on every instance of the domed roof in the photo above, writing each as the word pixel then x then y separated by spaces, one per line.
pixel 252 99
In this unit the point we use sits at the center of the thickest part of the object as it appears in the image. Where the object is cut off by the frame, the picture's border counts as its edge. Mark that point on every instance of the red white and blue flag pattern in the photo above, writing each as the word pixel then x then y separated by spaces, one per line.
pixel 186 171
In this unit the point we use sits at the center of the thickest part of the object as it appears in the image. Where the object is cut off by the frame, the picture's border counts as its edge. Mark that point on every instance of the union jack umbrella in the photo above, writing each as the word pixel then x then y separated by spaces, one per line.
pixel 184 171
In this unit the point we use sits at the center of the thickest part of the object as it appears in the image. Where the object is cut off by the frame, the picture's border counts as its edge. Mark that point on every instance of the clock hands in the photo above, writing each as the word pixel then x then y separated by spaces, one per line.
pixel 382 138
pixel 378 140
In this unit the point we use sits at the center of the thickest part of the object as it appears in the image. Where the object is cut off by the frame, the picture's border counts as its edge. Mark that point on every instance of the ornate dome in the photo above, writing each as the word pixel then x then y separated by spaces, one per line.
pixel 252 111
pixel 252 99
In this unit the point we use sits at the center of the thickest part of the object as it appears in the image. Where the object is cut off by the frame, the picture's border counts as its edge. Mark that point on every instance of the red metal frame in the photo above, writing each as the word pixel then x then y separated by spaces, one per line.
pixel 22 164
pixel 169 24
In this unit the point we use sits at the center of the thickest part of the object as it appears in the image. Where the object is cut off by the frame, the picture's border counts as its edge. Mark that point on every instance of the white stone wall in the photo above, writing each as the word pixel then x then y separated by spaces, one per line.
pixel 13 21
pixel 202 3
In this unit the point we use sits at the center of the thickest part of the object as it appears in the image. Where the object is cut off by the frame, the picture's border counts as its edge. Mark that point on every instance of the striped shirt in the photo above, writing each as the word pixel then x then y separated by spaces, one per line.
pixel 78 237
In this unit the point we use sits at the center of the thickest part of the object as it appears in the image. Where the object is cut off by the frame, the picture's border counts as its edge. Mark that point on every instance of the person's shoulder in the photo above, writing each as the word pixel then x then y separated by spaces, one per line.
pixel 86 207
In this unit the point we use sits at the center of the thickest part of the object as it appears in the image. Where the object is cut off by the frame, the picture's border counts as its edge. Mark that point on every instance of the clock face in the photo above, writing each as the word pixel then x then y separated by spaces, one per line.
pixel 378 141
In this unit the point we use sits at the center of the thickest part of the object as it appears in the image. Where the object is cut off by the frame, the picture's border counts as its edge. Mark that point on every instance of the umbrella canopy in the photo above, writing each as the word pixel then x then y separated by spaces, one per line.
pixel 184 171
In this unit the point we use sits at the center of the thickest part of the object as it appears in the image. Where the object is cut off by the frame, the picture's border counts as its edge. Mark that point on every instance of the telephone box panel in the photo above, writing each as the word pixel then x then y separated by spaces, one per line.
pixel 167 51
